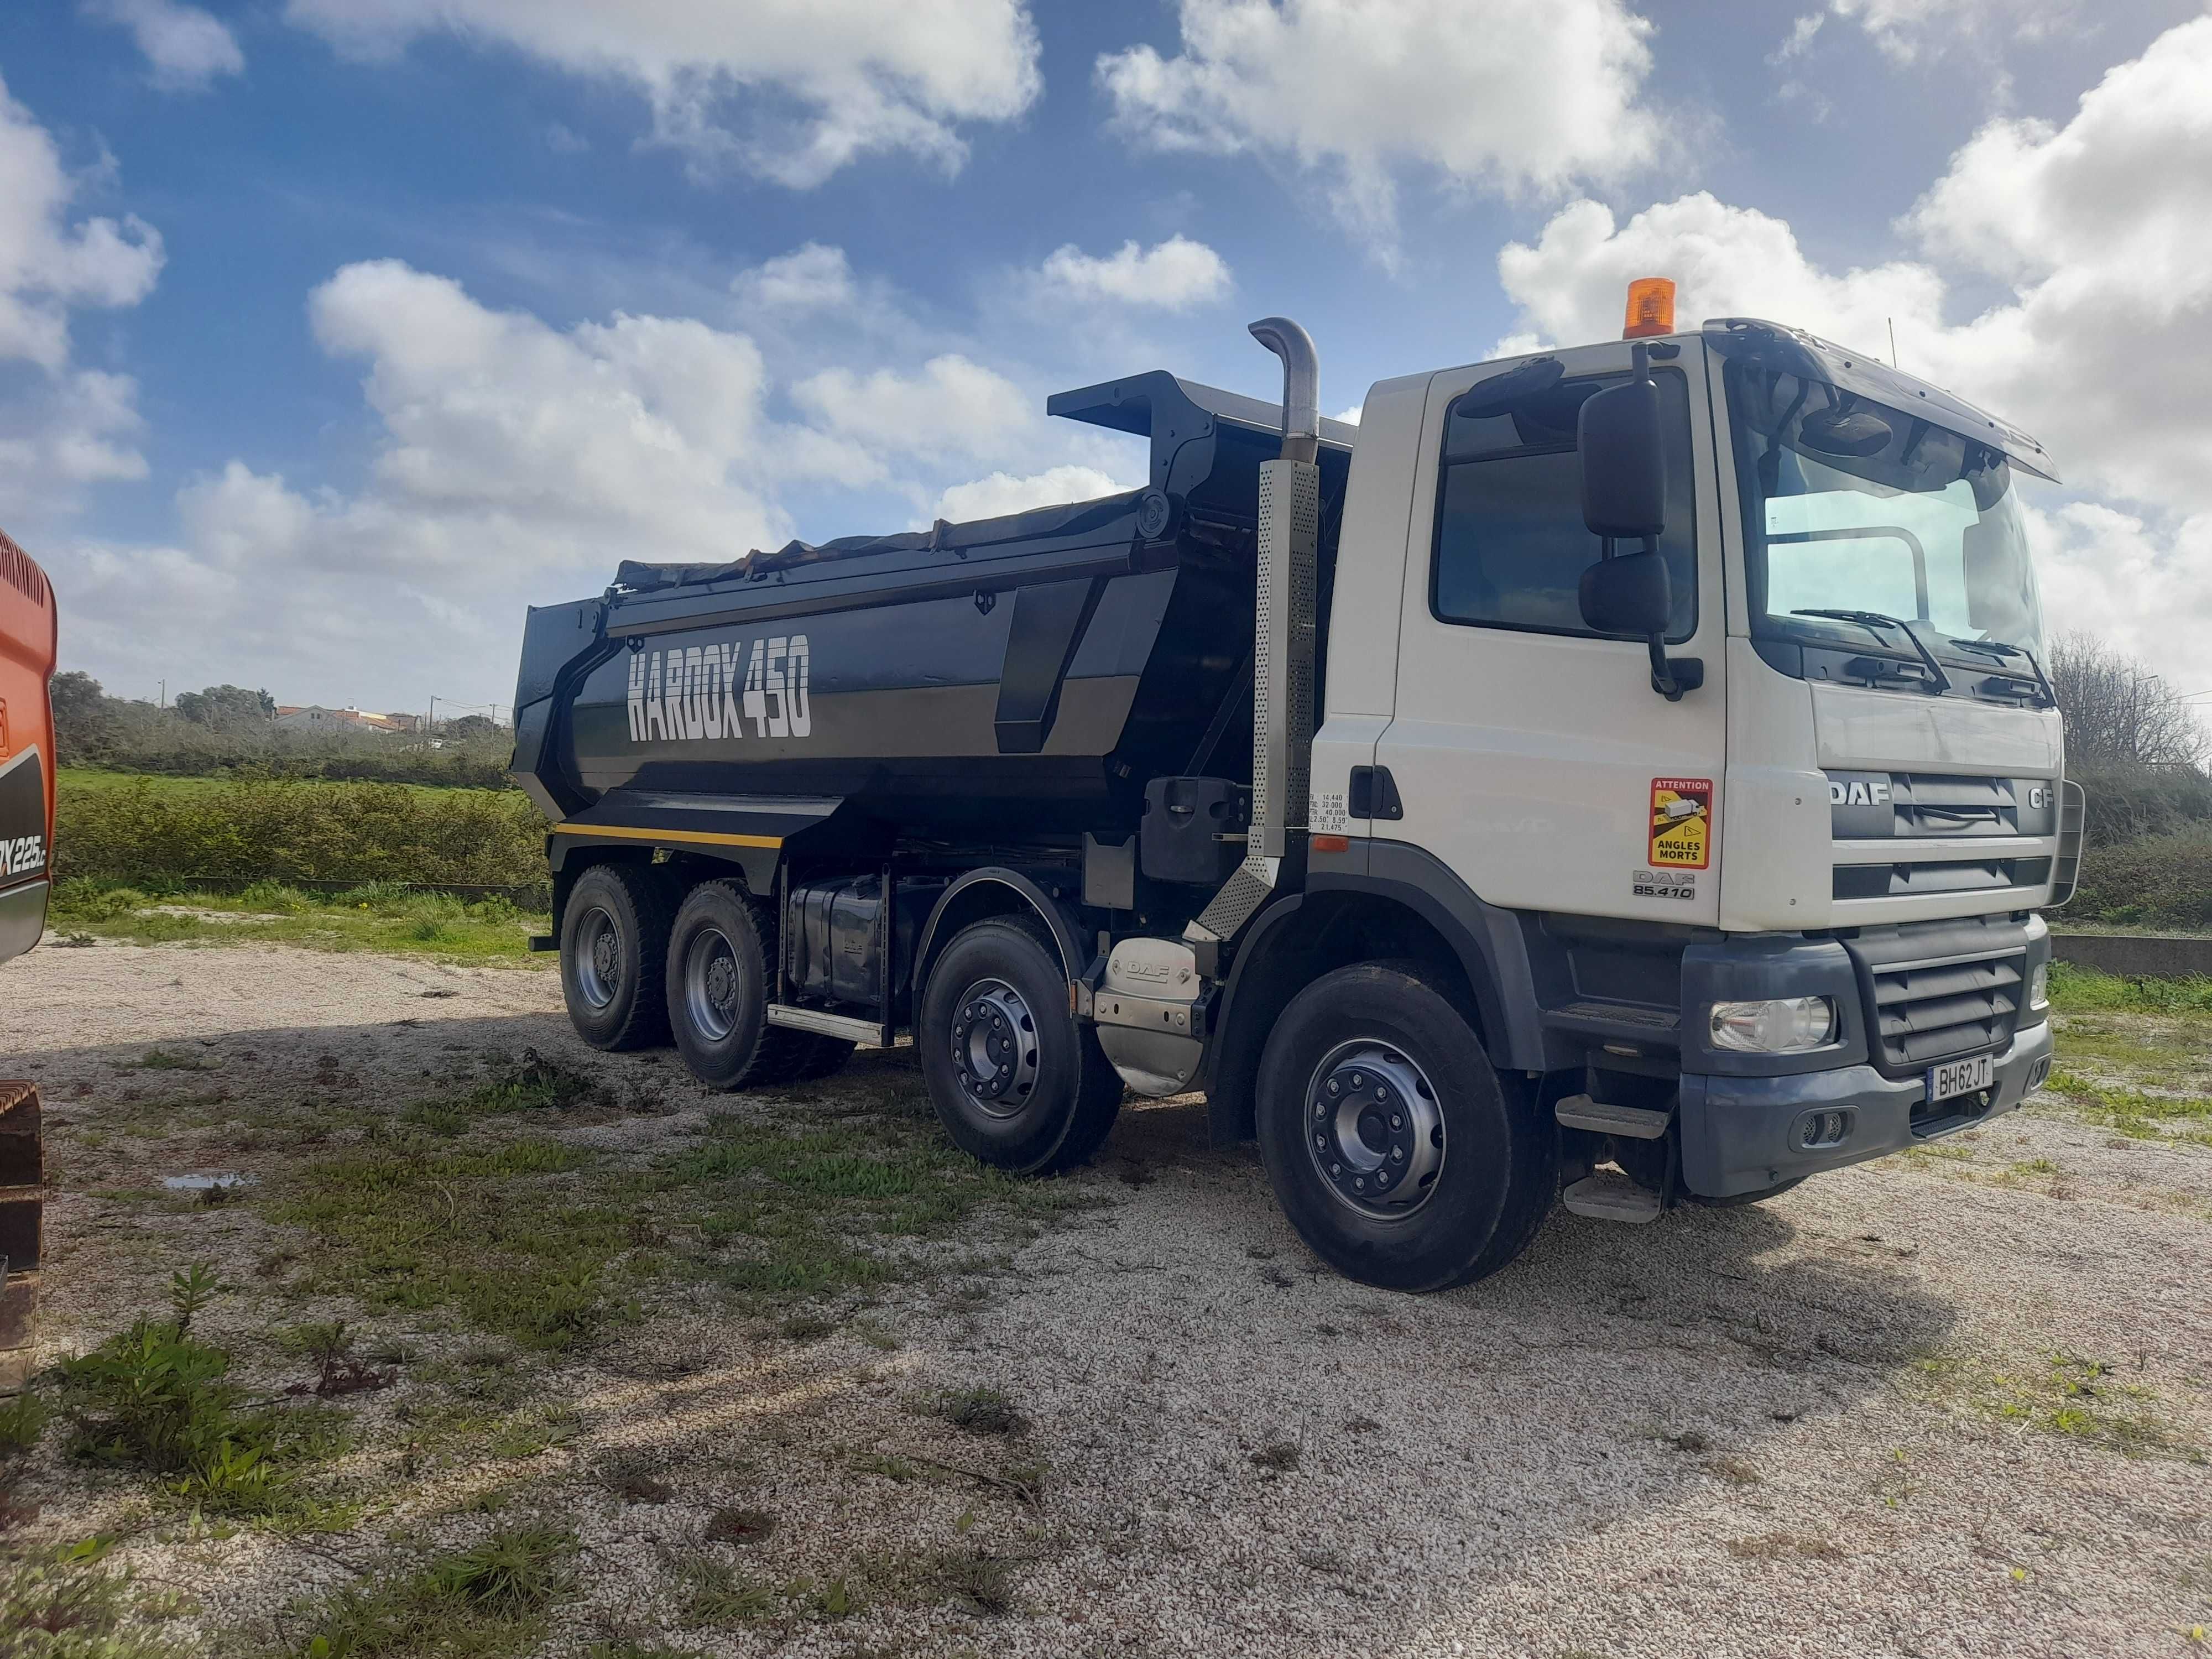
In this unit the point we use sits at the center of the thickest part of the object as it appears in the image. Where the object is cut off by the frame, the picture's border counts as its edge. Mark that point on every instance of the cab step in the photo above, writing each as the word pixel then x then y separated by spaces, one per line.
pixel 1607 1196
pixel 1638 1122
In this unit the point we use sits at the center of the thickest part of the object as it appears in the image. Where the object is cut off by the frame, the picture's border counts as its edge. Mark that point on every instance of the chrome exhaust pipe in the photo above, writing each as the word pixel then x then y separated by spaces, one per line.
pixel 1301 385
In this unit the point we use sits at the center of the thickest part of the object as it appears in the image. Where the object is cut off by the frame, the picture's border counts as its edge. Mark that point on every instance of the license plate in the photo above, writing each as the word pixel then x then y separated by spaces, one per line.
pixel 1961 1077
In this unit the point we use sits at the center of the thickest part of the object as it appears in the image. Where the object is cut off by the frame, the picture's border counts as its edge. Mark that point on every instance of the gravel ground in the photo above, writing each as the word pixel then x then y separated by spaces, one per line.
pixel 1954 1403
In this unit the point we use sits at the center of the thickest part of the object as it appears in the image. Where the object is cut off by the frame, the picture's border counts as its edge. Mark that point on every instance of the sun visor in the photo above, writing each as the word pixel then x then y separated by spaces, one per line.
pixel 1785 350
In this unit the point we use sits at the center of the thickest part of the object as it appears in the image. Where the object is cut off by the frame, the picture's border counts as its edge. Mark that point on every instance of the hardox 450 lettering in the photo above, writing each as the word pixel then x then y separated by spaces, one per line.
pixel 697 692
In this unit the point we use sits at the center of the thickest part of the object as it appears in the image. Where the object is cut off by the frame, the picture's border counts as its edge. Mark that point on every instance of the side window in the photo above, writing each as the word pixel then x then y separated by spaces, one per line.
pixel 1511 548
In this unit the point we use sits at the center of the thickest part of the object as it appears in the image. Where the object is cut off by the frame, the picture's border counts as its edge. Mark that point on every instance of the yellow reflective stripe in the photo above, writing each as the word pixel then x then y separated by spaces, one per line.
pixel 700 837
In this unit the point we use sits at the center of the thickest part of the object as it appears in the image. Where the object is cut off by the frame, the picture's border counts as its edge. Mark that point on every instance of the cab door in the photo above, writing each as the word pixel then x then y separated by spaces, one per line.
pixel 1531 756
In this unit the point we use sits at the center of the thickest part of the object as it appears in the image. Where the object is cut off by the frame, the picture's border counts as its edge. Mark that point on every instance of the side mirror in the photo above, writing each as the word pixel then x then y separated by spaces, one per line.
pixel 1624 473
pixel 1629 593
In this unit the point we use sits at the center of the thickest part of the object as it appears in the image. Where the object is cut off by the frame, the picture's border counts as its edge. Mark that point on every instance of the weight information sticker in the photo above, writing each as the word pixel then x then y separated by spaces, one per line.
pixel 1682 824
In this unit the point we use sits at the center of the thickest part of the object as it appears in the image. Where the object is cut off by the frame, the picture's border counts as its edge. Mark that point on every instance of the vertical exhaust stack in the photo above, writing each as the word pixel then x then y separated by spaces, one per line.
pixel 1283 640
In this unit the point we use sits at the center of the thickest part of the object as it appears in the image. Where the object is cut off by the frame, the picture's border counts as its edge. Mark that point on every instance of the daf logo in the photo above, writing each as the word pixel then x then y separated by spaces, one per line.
pixel 1858 792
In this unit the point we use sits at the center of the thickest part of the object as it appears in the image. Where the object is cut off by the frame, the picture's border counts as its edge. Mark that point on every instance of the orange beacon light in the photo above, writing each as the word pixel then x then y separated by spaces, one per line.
pixel 1650 308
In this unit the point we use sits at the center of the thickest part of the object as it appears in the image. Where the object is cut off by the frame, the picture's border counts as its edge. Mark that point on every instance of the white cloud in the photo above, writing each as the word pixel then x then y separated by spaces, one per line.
pixel 1911 30
pixel 1517 96
pixel 1349 416
pixel 185 48
pixel 2101 228
pixel 514 459
pixel 954 406
pixel 811 277
pixel 1002 493
pixel 792 90
pixel 1172 276
pixel 1572 285
pixel 61 427
pixel 2139 586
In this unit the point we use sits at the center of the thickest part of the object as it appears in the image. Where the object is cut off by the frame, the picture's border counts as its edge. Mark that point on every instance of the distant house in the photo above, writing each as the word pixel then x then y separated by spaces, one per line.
pixel 314 717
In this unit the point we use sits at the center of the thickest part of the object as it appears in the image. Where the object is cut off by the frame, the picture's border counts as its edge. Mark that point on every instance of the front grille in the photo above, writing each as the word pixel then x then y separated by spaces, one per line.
pixel 1935 991
pixel 1911 880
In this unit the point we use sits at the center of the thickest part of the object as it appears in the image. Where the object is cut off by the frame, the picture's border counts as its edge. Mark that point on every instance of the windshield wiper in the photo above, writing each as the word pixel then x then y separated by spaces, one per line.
pixel 2002 649
pixel 1873 621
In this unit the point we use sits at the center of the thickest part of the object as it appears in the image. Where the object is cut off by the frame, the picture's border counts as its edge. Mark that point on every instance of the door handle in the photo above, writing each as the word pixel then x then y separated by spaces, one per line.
pixel 1373 795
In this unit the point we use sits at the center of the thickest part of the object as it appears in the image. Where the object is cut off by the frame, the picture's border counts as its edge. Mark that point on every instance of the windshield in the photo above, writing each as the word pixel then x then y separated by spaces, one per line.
pixel 1851 506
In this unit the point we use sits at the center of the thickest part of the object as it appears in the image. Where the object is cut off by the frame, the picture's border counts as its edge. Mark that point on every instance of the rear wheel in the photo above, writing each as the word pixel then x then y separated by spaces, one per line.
pixel 718 993
pixel 614 940
pixel 1016 1081
pixel 1392 1148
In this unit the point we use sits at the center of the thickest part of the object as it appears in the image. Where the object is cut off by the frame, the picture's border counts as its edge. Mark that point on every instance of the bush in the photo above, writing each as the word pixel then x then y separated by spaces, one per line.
pixel 280 832
pixel 2157 881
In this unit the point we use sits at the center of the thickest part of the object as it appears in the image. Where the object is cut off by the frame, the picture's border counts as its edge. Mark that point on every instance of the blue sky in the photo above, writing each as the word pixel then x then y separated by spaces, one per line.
pixel 339 331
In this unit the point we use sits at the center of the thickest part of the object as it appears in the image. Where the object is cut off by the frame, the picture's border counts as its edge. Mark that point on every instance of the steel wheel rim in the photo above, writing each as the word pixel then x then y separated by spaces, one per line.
pixel 710 984
pixel 994 1048
pixel 1373 1129
pixel 597 957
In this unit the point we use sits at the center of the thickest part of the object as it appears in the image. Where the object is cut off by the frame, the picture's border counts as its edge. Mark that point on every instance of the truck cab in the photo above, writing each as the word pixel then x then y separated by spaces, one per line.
pixel 1622 777
pixel 1792 908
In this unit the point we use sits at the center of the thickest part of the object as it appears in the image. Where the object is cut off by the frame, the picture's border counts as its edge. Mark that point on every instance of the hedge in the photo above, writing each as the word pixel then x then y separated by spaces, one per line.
pixel 293 831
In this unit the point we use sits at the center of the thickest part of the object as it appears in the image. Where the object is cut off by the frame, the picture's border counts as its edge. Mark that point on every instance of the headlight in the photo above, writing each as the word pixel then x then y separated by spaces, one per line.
pixel 2039 986
pixel 1781 1025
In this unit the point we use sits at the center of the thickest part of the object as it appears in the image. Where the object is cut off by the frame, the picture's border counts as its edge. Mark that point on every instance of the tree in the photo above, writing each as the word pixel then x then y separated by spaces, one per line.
pixel 2119 715
pixel 468 726
pixel 225 707
pixel 84 717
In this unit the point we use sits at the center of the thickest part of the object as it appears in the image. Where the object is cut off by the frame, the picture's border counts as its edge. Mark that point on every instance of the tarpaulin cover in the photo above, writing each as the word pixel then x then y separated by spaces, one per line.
pixel 1069 519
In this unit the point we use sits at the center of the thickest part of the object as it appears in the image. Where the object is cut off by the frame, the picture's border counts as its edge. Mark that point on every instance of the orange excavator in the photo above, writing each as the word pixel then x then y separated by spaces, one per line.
pixel 27 623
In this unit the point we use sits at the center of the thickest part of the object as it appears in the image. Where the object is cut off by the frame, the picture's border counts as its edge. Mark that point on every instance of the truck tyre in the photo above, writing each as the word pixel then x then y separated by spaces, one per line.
pixel 1392 1148
pixel 1017 1082
pixel 718 993
pixel 614 946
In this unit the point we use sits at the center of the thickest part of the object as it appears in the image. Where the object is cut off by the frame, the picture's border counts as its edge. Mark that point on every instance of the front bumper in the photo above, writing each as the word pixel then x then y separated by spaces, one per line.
pixel 1744 1134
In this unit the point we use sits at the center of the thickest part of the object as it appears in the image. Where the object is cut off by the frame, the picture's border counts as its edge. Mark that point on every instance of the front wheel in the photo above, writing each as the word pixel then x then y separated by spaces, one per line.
pixel 1015 1080
pixel 1392 1148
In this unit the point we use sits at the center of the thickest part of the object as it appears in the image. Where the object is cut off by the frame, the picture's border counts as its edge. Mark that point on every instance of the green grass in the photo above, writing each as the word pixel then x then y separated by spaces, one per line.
pixel 2081 990
pixel 158 1400
pixel 71 1606
pixel 819 1209
pixel 489 1599
pixel 382 918
pixel 2063 1395
pixel 495 1232
pixel 2134 1112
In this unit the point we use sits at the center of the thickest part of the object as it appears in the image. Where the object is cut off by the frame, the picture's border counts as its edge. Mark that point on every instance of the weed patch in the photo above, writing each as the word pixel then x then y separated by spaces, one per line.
pixel 492 1232
pixel 2063 1395
pixel 982 1410
pixel 811 1211
pixel 490 1598
pixel 72 1609
pixel 155 1398
pixel 2135 1113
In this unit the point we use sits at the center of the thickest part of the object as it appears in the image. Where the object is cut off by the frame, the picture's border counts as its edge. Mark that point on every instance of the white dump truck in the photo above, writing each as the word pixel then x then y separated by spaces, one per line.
pixel 1619 776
